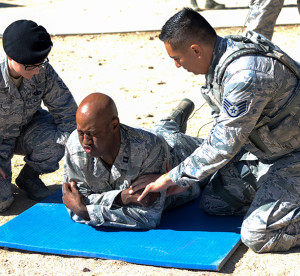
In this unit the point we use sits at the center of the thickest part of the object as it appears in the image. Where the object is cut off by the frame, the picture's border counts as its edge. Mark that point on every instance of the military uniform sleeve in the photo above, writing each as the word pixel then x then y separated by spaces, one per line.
pixel 60 103
pixel 246 94
pixel 101 206
pixel 157 157
pixel 104 212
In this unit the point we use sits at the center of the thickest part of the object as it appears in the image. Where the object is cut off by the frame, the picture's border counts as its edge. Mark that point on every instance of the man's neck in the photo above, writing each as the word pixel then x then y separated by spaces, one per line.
pixel 110 158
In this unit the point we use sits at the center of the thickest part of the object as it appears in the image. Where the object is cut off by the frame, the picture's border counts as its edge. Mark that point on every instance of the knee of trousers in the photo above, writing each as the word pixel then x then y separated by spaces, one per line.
pixel 46 160
pixel 252 237
pixel 256 235
pixel 263 240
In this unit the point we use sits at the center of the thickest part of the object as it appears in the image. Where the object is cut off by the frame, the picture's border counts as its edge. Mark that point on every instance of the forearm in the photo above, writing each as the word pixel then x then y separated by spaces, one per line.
pixel 109 213
pixel 206 160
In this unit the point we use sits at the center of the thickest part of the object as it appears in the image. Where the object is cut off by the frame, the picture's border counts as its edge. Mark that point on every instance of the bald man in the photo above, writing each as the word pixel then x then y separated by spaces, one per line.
pixel 103 157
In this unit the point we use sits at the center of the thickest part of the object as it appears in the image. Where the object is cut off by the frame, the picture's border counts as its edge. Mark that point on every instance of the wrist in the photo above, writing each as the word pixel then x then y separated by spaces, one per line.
pixel 82 212
pixel 118 199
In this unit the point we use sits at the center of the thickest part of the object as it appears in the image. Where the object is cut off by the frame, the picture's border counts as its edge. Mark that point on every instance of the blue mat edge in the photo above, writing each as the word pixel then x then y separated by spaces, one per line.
pixel 129 260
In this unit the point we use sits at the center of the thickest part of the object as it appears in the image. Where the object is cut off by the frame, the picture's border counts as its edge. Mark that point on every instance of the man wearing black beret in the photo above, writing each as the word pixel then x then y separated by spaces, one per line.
pixel 27 80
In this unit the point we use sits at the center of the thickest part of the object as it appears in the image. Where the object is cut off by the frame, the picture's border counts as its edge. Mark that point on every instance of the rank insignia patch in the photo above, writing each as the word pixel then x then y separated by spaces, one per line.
pixel 235 110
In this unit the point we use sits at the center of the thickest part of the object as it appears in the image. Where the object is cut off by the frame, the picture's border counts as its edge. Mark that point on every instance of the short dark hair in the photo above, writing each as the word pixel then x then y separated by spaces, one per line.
pixel 185 27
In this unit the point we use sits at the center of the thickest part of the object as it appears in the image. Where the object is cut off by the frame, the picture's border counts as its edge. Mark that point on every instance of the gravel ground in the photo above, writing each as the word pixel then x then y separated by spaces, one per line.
pixel 134 69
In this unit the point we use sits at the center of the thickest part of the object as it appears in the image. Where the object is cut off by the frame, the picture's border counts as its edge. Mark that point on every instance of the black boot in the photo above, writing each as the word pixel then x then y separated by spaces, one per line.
pixel 29 181
pixel 181 113
pixel 6 197
pixel 211 4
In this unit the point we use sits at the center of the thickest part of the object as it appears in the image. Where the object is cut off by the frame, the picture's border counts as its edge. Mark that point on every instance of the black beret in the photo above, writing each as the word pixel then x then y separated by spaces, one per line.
pixel 26 42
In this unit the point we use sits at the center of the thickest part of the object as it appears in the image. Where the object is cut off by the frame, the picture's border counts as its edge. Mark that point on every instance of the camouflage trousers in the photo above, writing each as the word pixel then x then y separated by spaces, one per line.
pixel 180 144
pixel 263 15
pixel 270 201
pixel 268 195
pixel 37 144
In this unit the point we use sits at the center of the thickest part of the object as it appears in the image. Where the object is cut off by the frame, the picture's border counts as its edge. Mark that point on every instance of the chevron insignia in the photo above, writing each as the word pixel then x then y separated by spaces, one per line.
pixel 235 110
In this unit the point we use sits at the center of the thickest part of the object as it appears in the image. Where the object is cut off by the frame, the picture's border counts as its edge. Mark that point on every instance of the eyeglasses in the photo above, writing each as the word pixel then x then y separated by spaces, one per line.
pixel 31 67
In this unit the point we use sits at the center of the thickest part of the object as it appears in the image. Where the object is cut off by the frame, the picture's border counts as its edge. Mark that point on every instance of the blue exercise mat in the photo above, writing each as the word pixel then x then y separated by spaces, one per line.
pixel 186 238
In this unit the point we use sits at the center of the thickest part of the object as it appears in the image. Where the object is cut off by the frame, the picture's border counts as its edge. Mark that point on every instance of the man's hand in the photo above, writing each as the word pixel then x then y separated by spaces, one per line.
pixel 142 181
pixel 162 183
pixel 73 200
pixel 126 198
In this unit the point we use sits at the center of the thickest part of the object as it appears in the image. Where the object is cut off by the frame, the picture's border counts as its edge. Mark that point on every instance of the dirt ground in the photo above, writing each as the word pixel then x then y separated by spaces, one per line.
pixel 134 69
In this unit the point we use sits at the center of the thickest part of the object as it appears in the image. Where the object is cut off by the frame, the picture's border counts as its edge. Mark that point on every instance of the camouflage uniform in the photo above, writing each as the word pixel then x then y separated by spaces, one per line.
pixel 27 129
pixel 252 86
pixel 141 152
pixel 263 16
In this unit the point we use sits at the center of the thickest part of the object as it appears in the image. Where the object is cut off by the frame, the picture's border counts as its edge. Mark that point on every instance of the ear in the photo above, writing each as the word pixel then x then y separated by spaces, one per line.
pixel 115 123
pixel 197 49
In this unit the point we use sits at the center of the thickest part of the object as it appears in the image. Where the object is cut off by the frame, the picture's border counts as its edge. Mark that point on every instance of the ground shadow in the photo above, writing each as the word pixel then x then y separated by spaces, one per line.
pixel 5 5
pixel 290 6
pixel 22 202
pixel 229 266
pixel 234 8
pixel 293 250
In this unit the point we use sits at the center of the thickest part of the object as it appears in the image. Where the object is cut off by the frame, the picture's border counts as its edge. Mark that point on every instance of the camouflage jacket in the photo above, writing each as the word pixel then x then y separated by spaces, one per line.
pixel 141 152
pixel 17 106
pixel 253 86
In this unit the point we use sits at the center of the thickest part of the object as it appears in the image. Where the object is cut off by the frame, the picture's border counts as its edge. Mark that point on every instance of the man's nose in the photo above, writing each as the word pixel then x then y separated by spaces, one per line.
pixel 177 64
pixel 87 140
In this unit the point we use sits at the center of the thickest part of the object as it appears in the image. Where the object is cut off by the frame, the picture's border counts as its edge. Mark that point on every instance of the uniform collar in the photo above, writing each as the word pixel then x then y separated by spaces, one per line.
pixel 4 69
pixel 219 50
pixel 123 158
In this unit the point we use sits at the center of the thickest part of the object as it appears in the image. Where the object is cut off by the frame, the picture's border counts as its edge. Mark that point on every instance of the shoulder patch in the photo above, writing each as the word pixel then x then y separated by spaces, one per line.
pixel 236 109
pixel 62 85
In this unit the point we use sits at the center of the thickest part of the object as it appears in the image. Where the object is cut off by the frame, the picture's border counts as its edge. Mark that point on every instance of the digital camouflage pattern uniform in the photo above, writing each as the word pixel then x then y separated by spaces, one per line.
pixel 252 87
pixel 27 129
pixel 263 15
pixel 141 152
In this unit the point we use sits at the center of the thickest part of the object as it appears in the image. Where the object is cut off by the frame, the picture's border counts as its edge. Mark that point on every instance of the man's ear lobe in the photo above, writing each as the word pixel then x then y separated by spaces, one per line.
pixel 116 122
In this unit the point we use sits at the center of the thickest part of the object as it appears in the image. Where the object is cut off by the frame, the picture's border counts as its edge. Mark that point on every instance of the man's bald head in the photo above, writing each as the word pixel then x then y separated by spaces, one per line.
pixel 97 106
pixel 98 127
